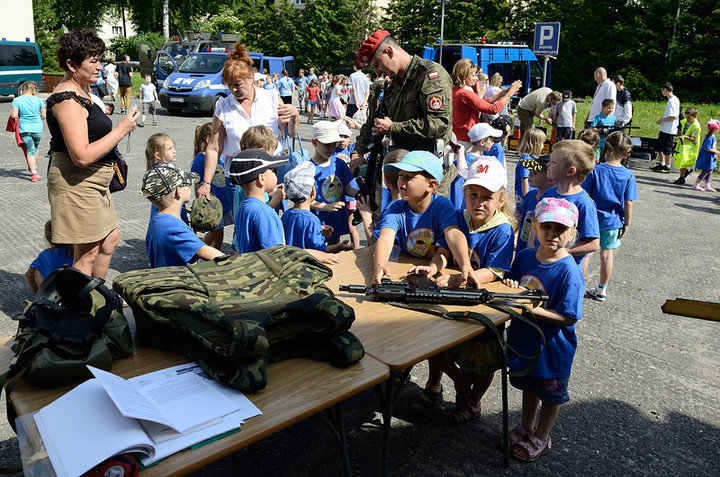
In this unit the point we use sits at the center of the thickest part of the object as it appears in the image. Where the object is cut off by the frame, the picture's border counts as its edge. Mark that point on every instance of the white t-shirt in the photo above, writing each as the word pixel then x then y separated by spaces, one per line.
pixel 110 73
pixel 263 112
pixel 360 85
pixel 605 90
pixel 491 91
pixel 672 108
pixel 148 92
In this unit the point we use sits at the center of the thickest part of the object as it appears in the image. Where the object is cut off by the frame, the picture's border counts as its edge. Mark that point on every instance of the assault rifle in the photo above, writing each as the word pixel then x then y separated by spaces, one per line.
pixel 412 292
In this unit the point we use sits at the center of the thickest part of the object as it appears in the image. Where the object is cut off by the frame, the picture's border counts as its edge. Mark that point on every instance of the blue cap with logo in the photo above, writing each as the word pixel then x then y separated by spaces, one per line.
pixel 418 161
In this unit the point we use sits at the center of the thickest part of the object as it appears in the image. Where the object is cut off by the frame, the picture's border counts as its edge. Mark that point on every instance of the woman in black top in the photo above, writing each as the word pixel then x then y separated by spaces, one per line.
pixel 82 143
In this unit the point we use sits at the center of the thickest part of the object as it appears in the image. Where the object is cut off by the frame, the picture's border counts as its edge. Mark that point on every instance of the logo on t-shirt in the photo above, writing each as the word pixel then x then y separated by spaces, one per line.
pixel 526 226
pixel 475 260
pixel 531 282
pixel 331 189
pixel 420 242
pixel 218 179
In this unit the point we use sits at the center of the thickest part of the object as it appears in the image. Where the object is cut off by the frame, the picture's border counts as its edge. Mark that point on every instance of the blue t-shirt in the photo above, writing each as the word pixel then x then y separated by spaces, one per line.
pixel 522 173
pixel 491 248
pixel 602 121
pixel 457 197
pixel 496 151
pixel 303 230
pixel 588 226
pixel 706 161
pixel 170 242
pixel 302 83
pixel 564 284
pixel 330 184
pixel 29 107
pixel 311 77
pixel 418 234
pixel 51 259
pixel 257 226
pixel 610 186
pixel 285 84
pixel 220 187
pixel 525 218
pixel 269 85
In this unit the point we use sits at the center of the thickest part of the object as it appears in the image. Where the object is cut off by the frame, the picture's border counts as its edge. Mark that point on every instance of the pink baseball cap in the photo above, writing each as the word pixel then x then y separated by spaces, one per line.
pixel 487 172
pixel 713 124
pixel 560 211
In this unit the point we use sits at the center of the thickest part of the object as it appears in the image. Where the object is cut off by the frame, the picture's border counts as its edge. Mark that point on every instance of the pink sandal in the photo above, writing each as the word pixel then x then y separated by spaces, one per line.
pixel 533 447
pixel 516 436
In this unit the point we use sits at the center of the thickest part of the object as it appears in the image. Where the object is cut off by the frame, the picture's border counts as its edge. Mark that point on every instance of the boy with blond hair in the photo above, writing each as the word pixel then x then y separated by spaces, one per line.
pixel 570 163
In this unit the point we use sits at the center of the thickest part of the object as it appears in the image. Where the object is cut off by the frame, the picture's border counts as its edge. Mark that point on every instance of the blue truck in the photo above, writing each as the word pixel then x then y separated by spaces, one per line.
pixel 196 84
pixel 513 60
pixel 20 62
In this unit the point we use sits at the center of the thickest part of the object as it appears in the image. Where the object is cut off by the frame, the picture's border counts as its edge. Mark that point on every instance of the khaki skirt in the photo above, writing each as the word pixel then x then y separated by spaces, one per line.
pixel 81 206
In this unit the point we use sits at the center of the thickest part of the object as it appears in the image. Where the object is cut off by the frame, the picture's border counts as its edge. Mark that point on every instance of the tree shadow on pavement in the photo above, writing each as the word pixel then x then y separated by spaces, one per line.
pixel 709 210
pixel 15 292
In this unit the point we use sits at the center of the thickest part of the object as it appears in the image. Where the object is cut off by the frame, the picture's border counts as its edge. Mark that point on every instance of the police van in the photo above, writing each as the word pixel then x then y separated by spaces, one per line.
pixel 20 61
pixel 196 84
pixel 513 60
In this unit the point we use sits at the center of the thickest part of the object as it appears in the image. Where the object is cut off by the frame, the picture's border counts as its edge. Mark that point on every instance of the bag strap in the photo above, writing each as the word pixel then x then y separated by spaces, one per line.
pixel 525 316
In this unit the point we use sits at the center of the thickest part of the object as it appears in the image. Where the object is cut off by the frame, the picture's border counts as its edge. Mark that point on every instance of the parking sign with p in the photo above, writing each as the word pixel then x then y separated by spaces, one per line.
pixel 547 38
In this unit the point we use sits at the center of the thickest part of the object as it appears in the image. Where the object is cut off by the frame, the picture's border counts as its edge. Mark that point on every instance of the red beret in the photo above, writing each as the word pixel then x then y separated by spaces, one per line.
pixel 367 49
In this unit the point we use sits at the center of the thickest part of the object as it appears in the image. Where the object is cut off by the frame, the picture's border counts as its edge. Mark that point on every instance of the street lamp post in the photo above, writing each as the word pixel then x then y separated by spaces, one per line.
pixel 442 27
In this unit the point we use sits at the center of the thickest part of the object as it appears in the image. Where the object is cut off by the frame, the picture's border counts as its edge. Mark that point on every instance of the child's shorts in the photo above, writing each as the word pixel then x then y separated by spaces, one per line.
pixel 227 219
pixel 666 143
pixel 609 239
pixel 479 355
pixel 312 103
pixel 148 107
pixel 549 390
pixel 32 142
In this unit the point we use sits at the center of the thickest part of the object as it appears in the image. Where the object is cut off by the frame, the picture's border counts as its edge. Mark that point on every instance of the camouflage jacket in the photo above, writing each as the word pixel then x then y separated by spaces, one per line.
pixel 420 106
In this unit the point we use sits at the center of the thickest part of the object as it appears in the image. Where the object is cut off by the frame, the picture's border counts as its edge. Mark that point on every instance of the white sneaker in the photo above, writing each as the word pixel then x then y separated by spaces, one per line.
pixel 593 293
pixel 708 188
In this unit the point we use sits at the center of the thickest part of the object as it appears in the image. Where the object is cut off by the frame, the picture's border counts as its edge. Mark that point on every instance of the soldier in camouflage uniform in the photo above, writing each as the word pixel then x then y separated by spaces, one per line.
pixel 418 101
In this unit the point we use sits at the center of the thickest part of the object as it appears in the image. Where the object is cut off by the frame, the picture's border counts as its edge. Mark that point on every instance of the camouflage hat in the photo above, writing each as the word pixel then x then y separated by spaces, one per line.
pixel 206 215
pixel 162 179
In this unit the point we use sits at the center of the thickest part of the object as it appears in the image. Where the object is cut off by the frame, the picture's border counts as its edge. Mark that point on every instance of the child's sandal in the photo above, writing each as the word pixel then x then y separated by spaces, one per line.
pixel 532 448
pixel 463 413
pixel 516 436
pixel 427 401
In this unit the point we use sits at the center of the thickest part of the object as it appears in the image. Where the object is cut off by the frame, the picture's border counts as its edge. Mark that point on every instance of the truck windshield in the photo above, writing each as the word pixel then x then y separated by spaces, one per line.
pixel 203 63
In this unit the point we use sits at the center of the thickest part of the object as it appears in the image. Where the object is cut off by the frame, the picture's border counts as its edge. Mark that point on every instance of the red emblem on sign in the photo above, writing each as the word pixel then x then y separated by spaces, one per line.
pixel 435 102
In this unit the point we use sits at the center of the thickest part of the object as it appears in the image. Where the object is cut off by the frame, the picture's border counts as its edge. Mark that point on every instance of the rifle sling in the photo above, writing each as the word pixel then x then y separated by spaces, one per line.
pixel 525 316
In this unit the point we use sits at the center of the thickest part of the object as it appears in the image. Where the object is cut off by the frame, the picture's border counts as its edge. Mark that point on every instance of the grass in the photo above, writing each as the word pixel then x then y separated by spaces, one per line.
pixel 646 113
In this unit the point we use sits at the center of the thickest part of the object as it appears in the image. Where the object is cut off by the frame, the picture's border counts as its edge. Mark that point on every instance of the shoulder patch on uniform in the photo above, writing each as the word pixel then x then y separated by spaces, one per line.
pixel 433 75
pixel 435 102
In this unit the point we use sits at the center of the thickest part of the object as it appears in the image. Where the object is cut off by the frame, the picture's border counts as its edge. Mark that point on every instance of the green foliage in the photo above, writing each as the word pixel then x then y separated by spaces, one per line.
pixel 120 46
pixel 225 22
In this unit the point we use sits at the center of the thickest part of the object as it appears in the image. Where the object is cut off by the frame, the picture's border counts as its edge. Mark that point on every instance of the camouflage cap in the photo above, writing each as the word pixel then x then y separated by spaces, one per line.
pixel 162 179
pixel 206 215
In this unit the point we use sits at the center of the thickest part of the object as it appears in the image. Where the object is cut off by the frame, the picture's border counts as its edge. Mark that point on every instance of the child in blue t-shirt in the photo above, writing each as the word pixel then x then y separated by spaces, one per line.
pixel 539 183
pixel 303 228
pixel 481 136
pixel 50 259
pixel 531 146
pixel 487 223
pixel 333 180
pixel 707 157
pixel 550 268
pixel 169 240
pixel 420 218
pixel 224 191
pixel 612 186
pixel 343 150
pixel 570 163
pixel 604 121
pixel 257 226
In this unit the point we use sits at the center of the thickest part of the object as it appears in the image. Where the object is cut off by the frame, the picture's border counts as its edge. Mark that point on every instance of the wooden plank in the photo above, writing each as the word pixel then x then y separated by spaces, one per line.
pixel 693 308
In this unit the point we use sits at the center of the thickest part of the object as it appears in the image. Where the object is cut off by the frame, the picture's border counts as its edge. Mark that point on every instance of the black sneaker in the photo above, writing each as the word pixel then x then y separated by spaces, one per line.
pixel 657 167
pixel 689 171
pixel 665 170
pixel 680 181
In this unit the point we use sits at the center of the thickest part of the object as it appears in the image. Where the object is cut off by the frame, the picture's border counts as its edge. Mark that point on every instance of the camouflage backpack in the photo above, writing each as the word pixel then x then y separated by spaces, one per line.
pixel 236 314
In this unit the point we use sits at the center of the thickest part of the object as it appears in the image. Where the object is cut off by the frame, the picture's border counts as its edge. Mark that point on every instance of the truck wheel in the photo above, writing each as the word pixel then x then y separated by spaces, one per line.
pixel 17 89
pixel 215 102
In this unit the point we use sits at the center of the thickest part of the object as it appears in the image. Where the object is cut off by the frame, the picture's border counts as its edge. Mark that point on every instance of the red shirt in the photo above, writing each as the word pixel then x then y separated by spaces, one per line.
pixel 467 106
pixel 312 93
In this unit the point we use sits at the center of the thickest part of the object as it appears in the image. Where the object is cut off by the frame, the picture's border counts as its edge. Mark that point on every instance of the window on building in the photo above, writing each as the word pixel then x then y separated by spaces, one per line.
pixel 117 30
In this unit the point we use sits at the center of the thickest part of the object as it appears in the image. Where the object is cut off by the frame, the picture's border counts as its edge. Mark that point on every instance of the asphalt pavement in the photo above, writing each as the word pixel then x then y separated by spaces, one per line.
pixel 644 387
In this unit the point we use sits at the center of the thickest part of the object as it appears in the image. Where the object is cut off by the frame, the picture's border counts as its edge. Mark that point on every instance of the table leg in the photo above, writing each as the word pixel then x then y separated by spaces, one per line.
pixel 388 399
pixel 336 425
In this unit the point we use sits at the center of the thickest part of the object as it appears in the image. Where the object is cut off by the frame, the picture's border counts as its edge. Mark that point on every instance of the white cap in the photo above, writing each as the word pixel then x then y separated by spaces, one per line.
pixel 483 130
pixel 258 76
pixel 343 129
pixel 325 132
pixel 487 172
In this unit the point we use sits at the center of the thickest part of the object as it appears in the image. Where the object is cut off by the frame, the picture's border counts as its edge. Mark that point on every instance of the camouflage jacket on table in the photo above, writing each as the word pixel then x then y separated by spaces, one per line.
pixel 234 315
pixel 420 106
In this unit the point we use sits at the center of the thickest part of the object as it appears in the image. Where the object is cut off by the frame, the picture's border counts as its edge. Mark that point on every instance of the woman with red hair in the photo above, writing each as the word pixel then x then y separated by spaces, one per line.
pixel 247 106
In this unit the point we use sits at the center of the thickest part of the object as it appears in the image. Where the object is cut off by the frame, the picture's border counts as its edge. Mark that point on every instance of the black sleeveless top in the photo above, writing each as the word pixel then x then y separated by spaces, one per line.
pixel 98 123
